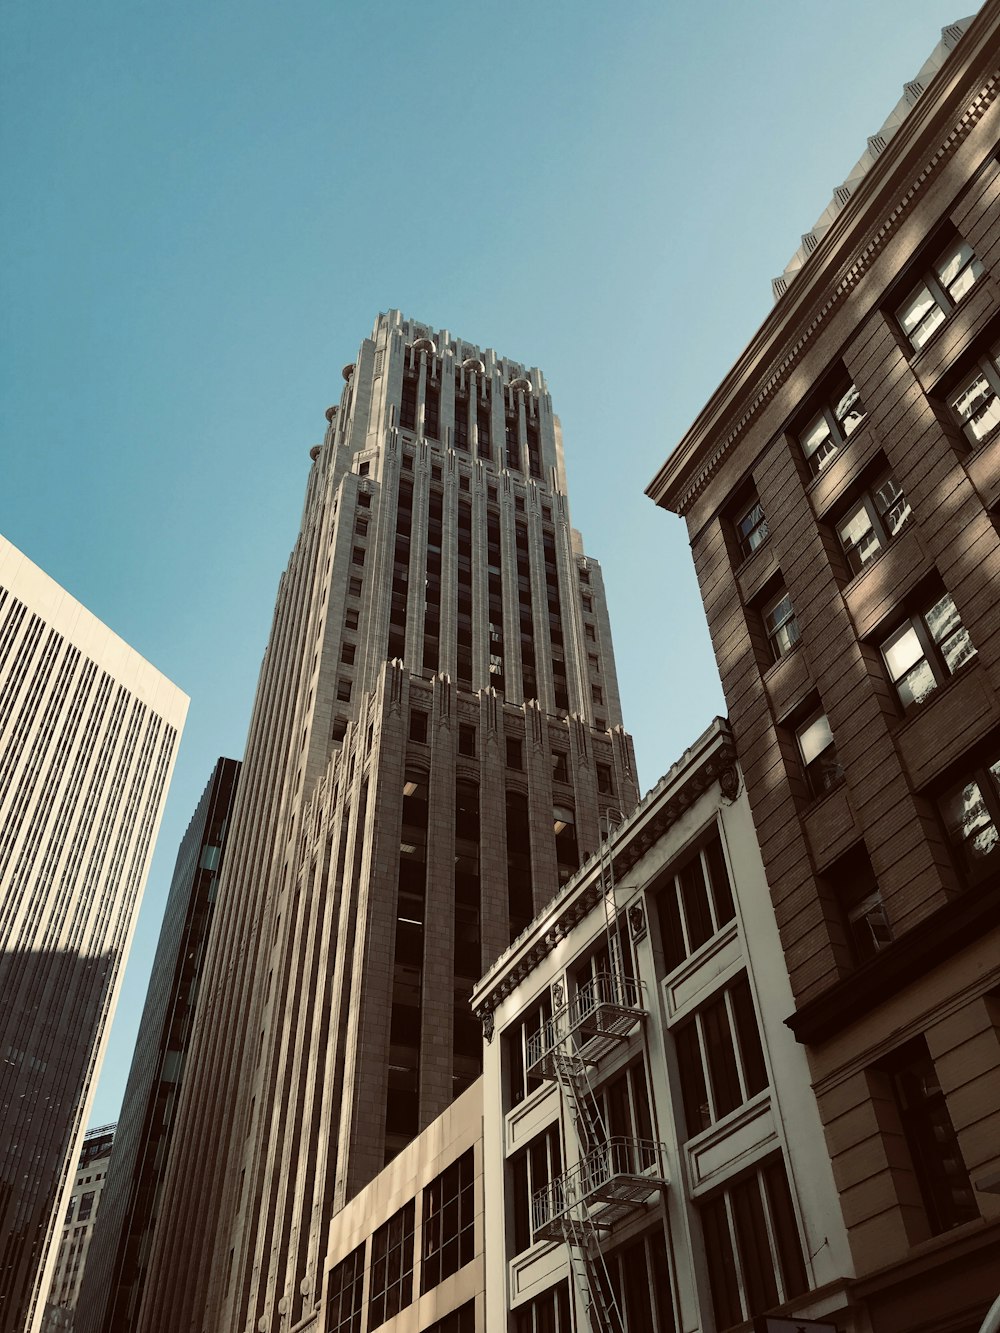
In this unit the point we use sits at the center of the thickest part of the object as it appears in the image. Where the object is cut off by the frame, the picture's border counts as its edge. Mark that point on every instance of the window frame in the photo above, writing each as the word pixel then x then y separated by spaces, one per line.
pixel 670 888
pixel 780 637
pixel 933 652
pixel 985 777
pixel 751 536
pixel 942 300
pixel 444 1251
pixel 834 414
pixel 398 1273
pixel 987 368
pixel 820 778
pixel 868 503
pixel 704 1081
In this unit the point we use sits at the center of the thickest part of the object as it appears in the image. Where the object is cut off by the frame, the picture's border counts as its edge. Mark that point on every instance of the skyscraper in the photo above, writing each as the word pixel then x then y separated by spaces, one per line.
pixel 88 735
pixel 436 737
pixel 78 1230
pixel 116 1267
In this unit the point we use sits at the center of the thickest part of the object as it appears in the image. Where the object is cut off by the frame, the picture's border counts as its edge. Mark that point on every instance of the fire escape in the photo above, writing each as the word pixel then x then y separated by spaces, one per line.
pixel 613 1176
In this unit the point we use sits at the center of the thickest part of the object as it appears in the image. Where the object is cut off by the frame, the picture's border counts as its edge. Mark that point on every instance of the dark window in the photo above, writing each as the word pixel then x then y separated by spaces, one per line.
pixel 560 766
pixel 462 1320
pixel 344 1290
pixel 819 754
pixel 873 522
pixel 951 277
pixel 339 729
pixel 856 889
pixel 354 587
pixel 347 651
pixel 766 1267
pixel 930 1136
pixel 351 618
pixel 971 812
pixel 780 624
pixel 365 499
pixel 605 783
pixel 520 1083
pixel 418 726
pixel 364 469
pixel 590 632
pixel 531 1170
pixel 344 690
pixel 515 753
pixel 751 527
pixel 548 1313
pixel 391 1287
pixel 829 430
pixel 408 403
pixel 597 694
pixel 358 555
pixel 722 1039
pixel 926 650
pixel 467 740
pixel 693 900
pixel 448 1223
pixel 86 1205
pixel 639 1276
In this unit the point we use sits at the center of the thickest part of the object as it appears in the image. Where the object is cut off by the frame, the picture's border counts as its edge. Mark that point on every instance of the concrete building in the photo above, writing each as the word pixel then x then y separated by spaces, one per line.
pixel 78 1230
pixel 436 735
pixel 841 492
pixel 653 1154
pixel 112 1286
pixel 88 736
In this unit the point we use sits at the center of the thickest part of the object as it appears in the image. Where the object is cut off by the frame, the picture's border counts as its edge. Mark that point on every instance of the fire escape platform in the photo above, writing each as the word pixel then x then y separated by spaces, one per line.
pixel 601 1014
pixel 611 1183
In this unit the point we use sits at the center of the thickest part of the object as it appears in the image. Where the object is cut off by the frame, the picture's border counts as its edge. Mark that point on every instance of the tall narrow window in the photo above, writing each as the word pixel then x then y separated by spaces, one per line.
pixel 464 595
pixel 448 1222
pixel 693 901
pixel 751 526
pixel 520 902
pixel 976 401
pixel 927 650
pixel 951 277
pixel 466 1031
pixel 819 754
pixel 432 586
pixel 402 1096
pixel 398 599
pixel 408 401
pixel 391 1279
pixel 432 404
pixel 873 521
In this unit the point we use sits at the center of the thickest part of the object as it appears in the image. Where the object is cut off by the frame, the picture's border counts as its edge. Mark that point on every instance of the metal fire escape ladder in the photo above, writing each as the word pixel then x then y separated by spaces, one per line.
pixel 580 1233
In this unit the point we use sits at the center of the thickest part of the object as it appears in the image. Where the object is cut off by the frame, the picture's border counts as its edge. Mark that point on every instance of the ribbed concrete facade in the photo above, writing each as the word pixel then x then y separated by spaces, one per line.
pixel 116 1266
pixel 436 735
pixel 88 735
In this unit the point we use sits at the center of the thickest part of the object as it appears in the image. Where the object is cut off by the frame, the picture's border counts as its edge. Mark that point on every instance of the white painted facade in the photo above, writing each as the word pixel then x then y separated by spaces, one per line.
pixel 773 1125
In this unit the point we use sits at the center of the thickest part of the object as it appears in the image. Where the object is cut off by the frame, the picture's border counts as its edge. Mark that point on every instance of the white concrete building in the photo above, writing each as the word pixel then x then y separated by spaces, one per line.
pixel 88 736
pixel 653 1153
pixel 78 1230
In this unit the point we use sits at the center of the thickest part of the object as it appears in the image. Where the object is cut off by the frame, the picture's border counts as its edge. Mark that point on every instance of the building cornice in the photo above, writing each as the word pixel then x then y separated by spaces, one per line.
pixel 712 758
pixel 961 93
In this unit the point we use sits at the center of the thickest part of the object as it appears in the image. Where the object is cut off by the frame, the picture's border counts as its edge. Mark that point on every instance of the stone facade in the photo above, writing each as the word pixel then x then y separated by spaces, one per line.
pixel 436 735
pixel 841 492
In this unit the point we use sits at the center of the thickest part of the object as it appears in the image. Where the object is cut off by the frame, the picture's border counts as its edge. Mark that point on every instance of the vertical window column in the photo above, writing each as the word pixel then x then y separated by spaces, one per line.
pixel 402 1093
pixel 494 586
pixel 432 596
pixel 520 897
pixel 464 595
pixel 466 1032
pixel 484 408
pixel 529 675
pixel 400 573
pixel 532 437
pixel 558 651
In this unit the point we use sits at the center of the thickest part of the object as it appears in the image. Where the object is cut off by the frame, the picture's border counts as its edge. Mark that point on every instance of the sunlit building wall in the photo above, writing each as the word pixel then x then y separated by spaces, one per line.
pixel 88 737
pixel 841 490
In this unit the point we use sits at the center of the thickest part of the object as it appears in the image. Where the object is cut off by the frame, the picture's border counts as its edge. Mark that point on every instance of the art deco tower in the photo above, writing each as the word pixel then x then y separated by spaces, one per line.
pixel 436 736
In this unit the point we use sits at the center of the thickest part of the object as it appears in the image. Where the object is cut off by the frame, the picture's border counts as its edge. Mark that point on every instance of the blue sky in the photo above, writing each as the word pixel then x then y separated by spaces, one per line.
pixel 206 204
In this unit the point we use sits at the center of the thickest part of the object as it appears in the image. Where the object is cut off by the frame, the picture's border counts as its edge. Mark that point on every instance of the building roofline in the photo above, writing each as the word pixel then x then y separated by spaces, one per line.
pixel 961 92
pixel 702 763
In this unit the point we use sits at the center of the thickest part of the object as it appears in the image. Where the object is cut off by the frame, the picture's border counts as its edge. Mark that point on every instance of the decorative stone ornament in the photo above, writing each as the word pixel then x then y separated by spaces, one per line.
pixel 315 452
pixel 637 921
pixel 348 371
pixel 473 363
pixel 330 413
pixel 488 1026
pixel 424 345
pixel 521 385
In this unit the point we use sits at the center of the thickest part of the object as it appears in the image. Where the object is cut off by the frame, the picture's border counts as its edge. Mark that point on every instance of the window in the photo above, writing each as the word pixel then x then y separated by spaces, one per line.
pixel 391 1284
pixel 515 753
pixel 640 1282
pixel 752 1246
pixel 819 754
pixel 597 694
pixel 463 482
pixel 365 499
pixel 467 740
pixel 548 1313
pixel 418 726
pixel 354 587
pixel 872 522
pixel 591 633
pixel 361 525
pixel 605 784
pixel 593 661
pixel 358 555
pixel 935 1152
pixel 751 528
pixel 926 650
pixel 520 1083
pixel 693 901
pixel 951 277
pixel 344 1293
pixel 338 730
pixel 86 1205
pixel 347 651
pixel 448 1223
pixel 560 766
pixel 720 1057
pixel 344 690
pixel 407 461
pixel 462 1320
pixel 531 1170
pixel 832 427
pixel 971 812
pixel 364 469
pixel 976 402
pixel 852 879
pixel 780 624
pixel 351 618
pixel 586 601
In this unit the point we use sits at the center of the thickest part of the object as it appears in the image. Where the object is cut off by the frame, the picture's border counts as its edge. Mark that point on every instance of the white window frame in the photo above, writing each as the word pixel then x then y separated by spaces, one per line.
pixel 951 277
pixel 831 428
pixel 780 625
pixel 987 375
pixel 816 773
pixel 877 505
pixel 935 644
pixel 752 534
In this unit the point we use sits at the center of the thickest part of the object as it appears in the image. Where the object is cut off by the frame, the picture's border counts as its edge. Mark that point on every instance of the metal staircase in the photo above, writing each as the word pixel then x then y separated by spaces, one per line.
pixel 612 1176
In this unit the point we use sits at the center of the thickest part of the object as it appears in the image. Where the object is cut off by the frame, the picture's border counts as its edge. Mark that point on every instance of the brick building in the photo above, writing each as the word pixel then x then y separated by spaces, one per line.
pixel 841 492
